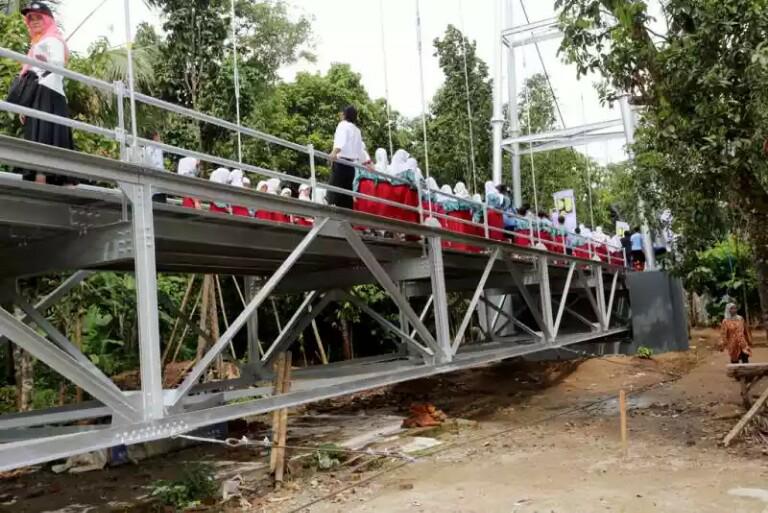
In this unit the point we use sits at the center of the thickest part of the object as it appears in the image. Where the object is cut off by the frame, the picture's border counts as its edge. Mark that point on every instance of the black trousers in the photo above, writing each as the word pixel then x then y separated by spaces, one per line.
pixel 343 177
pixel 743 358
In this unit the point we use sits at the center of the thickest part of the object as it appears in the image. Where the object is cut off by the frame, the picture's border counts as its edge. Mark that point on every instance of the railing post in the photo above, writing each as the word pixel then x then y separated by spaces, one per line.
pixel 485 217
pixel 312 171
pixel 120 130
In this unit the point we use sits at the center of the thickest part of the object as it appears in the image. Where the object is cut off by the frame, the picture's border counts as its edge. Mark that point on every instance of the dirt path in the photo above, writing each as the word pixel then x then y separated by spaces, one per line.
pixel 568 463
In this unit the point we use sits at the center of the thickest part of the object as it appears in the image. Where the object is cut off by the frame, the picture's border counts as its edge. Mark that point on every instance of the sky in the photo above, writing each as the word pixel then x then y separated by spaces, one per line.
pixel 350 31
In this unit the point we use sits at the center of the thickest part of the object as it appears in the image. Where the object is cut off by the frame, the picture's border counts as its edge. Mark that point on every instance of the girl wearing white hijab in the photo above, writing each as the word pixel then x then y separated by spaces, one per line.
pixel 273 186
pixel 447 192
pixel 382 161
pixel 190 168
pixel 220 176
pixel 237 179
pixel 460 191
pixel 305 194
pixel 286 192
pixel 399 160
pixel 263 214
pixel 281 217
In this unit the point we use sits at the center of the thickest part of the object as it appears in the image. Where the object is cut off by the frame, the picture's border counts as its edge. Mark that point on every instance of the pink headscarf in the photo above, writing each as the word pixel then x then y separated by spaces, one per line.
pixel 50 29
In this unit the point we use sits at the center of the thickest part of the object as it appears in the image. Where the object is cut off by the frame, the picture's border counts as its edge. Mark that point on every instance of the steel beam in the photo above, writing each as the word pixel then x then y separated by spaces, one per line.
pixel 545 293
pixel 238 323
pixel 513 320
pixel 424 351
pixel 386 282
pixel 564 298
pixel 598 272
pixel 473 302
pixel 291 330
pixel 424 313
pixel 440 303
pixel 591 298
pixel 520 283
pixel 563 133
pixel 610 301
pixel 31 342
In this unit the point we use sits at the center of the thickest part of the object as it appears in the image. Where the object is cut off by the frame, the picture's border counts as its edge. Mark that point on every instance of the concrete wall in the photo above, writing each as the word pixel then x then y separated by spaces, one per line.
pixel 659 318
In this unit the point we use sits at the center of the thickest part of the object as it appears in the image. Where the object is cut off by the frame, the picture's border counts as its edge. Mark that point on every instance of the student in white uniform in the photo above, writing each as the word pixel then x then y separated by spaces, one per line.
pixel 47 45
pixel 348 149
pixel 152 157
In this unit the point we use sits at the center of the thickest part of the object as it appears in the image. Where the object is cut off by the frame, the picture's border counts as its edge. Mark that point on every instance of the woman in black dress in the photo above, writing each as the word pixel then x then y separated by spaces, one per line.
pixel 47 45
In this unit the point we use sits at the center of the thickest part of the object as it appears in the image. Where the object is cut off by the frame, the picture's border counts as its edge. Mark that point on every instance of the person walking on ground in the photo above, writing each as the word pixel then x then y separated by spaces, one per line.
pixel 626 246
pixel 348 150
pixel 638 255
pixel 734 336
pixel 43 90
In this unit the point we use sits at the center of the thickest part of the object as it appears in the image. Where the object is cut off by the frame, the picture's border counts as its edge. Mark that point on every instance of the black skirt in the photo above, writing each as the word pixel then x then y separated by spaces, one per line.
pixel 343 177
pixel 45 132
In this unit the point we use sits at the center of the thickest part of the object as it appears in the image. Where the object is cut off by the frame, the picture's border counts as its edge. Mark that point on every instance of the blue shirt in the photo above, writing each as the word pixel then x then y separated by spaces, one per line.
pixel 637 241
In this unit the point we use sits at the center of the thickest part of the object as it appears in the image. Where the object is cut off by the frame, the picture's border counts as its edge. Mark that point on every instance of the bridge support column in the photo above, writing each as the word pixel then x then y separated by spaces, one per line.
pixel 442 320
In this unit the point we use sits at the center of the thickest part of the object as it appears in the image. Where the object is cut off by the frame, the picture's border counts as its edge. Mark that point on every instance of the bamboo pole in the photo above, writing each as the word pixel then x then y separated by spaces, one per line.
pixel 186 327
pixel 623 417
pixel 79 345
pixel 283 426
pixel 279 375
pixel 202 344
pixel 184 303
pixel 224 316
pixel 738 428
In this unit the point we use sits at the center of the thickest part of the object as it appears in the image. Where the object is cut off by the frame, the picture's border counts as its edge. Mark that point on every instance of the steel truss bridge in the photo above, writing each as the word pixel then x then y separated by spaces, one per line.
pixel 527 301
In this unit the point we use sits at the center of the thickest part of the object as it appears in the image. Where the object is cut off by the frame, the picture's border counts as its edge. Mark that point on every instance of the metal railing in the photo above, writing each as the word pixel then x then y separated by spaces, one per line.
pixel 129 144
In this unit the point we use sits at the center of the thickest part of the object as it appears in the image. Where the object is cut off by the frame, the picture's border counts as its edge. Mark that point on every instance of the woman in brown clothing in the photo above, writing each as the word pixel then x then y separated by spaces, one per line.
pixel 735 336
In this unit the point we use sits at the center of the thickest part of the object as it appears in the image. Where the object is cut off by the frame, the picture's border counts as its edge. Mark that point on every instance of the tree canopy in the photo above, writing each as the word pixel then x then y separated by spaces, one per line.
pixel 701 90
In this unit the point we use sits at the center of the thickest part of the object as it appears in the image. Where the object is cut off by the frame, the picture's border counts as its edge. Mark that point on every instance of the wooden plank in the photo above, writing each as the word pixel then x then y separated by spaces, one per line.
pixel 279 379
pixel 282 435
pixel 746 418
pixel 747 370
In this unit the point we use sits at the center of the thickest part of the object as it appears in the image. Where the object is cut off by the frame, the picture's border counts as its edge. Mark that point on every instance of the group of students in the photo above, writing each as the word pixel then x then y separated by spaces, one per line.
pixel 190 167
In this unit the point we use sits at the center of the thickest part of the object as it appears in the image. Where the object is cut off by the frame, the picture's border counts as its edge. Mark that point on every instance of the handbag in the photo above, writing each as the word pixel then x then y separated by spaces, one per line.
pixel 24 89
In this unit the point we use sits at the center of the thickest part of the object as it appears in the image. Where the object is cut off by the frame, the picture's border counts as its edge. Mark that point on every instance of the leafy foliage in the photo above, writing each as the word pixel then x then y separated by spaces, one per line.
pixel 702 86
pixel 196 485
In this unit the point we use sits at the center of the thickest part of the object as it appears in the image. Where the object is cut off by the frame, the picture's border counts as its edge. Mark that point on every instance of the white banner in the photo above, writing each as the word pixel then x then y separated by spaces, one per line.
pixel 622 227
pixel 565 204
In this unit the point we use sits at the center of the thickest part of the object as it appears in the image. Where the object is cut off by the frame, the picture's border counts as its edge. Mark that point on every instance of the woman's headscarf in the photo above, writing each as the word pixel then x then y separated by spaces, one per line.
pixel 411 164
pixel 398 164
pixel 305 192
pixel 188 167
pixel 382 160
pixel 477 198
pixel 490 189
pixel 236 178
pixel 273 185
pixel 50 29
pixel 445 189
pixel 728 315
pixel 262 186
pixel 246 182
pixel 432 184
pixel 286 192
pixel 221 175
pixel 460 191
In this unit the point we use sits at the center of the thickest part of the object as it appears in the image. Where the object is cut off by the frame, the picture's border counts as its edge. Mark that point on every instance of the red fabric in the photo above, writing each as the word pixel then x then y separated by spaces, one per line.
pixel 188 202
pixel 581 252
pixel 386 191
pixel 410 197
pixel 546 239
pixel 279 217
pixel 616 259
pixel 496 225
pixel 302 221
pixel 602 252
pixel 241 211
pixel 522 238
pixel 367 187
pixel 218 210
pixel 559 244
pixel 264 215
pixel 460 227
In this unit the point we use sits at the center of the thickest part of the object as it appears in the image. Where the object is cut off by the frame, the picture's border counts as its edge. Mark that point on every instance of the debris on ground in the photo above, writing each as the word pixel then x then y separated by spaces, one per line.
pixel 423 415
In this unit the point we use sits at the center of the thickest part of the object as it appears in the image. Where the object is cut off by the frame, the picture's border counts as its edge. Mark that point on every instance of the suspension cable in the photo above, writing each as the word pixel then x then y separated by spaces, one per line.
pixel 386 78
pixel 423 99
pixel 469 103
pixel 530 144
pixel 589 168
pixel 237 84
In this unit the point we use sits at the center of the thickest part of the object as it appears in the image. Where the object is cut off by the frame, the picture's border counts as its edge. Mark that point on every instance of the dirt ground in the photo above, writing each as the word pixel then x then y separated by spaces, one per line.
pixel 539 438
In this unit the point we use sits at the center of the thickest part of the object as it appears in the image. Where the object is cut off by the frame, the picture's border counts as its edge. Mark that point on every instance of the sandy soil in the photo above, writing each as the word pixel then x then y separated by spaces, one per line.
pixel 558 451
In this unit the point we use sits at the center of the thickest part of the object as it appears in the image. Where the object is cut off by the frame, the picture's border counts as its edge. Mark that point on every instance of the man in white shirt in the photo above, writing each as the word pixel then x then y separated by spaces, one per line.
pixel 348 149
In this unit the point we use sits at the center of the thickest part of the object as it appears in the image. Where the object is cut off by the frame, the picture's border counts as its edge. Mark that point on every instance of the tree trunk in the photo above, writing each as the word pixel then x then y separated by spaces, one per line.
pixel 202 344
pixel 347 336
pixel 25 379
pixel 752 201
pixel 79 344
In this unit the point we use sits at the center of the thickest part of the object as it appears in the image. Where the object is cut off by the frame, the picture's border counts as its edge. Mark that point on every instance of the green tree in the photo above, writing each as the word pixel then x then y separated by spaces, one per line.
pixel 448 120
pixel 702 86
